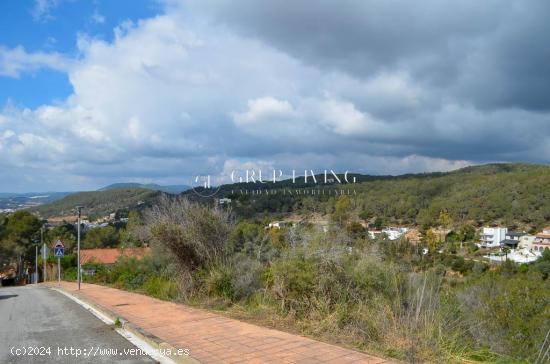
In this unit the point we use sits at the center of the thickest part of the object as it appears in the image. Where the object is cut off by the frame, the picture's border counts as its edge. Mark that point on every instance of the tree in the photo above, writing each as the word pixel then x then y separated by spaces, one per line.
pixel 378 223
pixel 342 209
pixel 506 250
pixel 431 240
pixel 365 215
pixel 452 237
pixel 4 253
pixel 132 234
pixel 18 234
pixel 445 219
pixel 543 264
pixel 21 232
pixel 102 237
pixel 467 232
pixel 356 230
pixel 65 233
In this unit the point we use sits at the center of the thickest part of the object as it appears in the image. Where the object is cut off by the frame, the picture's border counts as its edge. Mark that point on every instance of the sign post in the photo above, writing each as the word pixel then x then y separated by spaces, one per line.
pixel 59 251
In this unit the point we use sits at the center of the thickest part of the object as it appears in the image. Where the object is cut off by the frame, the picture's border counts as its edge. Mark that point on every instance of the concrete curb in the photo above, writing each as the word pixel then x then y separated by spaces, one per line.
pixel 129 329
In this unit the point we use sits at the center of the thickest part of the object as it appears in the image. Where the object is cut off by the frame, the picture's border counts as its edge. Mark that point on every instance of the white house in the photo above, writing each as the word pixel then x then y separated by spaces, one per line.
pixel 275 224
pixel 526 242
pixel 394 233
pixel 492 236
pixel 542 240
pixel 373 234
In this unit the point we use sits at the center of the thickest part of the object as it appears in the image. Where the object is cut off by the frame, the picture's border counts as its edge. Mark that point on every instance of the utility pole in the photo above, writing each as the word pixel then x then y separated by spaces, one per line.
pixel 79 209
pixel 44 250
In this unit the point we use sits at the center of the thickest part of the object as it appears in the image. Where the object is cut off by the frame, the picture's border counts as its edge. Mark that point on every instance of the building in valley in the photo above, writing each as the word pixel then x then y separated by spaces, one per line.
pixel 491 237
pixel 542 240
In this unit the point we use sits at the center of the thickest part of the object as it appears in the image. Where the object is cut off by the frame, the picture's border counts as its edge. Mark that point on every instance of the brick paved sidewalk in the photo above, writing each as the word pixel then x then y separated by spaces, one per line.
pixel 213 338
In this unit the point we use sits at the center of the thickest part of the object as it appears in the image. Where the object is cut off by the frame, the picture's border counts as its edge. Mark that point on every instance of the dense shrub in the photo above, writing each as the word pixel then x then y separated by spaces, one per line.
pixel 247 276
pixel 162 288
pixel 293 281
pixel 196 235
pixel 508 314
pixel 384 295
pixel 219 282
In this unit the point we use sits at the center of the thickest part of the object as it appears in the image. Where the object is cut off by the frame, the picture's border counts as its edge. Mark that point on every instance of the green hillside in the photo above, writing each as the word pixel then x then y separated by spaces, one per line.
pixel 99 203
pixel 511 194
pixel 501 193
pixel 172 189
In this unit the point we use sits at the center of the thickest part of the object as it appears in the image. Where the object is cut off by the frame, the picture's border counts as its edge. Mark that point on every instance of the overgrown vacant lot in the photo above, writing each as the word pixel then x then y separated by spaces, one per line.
pixel 379 296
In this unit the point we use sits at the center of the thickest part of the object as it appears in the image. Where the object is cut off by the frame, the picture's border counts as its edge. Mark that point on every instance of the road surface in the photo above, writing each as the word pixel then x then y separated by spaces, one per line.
pixel 37 320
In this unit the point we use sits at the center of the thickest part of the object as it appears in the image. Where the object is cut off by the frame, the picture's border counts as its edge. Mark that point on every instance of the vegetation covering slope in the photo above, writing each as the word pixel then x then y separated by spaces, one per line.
pixel 100 203
pixel 385 297
pixel 501 193
pixel 174 189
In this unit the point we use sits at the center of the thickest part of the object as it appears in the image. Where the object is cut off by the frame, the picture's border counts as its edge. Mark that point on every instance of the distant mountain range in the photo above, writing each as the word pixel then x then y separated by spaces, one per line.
pixel 173 189
pixel 509 194
pixel 17 201
pixel 100 203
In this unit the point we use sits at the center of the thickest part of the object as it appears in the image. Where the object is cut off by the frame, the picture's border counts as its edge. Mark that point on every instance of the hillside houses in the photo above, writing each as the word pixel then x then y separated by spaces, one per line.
pixel 522 247
pixel 492 236
pixel 542 240
pixel 392 233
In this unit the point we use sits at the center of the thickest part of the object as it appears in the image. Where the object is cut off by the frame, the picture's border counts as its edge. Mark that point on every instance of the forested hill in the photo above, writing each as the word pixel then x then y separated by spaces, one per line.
pixel 512 194
pixel 100 203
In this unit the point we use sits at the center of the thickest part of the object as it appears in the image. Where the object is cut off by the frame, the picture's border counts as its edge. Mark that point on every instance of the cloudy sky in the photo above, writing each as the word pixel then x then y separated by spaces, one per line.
pixel 95 92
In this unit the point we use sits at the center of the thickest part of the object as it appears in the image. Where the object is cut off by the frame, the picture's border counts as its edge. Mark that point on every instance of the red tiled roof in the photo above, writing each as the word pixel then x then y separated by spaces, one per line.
pixel 110 255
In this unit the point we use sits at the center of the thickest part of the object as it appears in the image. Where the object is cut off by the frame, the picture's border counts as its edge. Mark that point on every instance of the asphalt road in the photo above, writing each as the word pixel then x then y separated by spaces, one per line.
pixel 33 319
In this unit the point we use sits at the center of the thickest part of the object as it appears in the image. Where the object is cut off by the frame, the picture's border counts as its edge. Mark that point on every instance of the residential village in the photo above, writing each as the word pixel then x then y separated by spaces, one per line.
pixel 500 243
pixel 516 246
pixel 497 243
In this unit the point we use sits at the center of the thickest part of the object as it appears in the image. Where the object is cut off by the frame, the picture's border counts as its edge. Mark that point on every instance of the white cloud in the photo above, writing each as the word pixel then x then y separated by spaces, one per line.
pixel 15 61
pixel 170 97
pixel 264 108
pixel 343 118
pixel 97 18
pixel 42 9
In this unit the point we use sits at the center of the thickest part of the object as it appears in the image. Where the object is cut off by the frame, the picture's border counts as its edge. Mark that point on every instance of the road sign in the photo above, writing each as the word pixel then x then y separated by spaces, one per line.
pixel 59 249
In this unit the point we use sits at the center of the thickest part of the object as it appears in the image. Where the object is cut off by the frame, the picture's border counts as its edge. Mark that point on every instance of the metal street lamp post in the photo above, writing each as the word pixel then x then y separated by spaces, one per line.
pixel 36 264
pixel 79 209
pixel 44 250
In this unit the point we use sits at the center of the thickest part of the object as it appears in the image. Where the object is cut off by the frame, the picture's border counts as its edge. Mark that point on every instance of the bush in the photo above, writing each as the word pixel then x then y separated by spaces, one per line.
pixel 247 276
pixel 508 314
pixel 219 282
pixel 293 282
pixel 69 274
pixel 196 235
pixel 162 288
